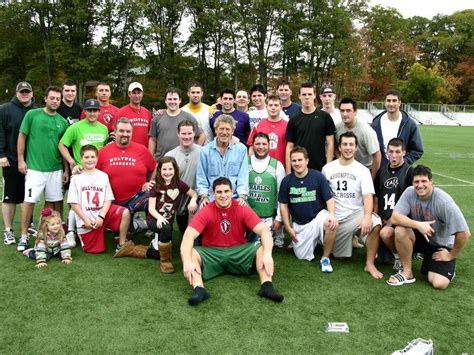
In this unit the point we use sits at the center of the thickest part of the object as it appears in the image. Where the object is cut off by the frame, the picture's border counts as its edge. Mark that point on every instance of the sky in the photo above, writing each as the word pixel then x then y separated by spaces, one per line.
pixel 425 8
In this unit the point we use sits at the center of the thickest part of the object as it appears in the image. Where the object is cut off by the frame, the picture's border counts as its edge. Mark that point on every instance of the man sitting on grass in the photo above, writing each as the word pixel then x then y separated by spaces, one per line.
pixel 428 221
pixel 222 224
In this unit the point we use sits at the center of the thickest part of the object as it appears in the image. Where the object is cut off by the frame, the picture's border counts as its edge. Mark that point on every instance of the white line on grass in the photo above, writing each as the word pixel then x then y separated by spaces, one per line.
pixel 453 178
pixel 454 185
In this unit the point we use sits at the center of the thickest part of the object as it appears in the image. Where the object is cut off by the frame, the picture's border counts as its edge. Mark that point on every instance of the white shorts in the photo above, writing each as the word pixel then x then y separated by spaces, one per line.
pixel 50 182
pixel 347 228
pixel 309 235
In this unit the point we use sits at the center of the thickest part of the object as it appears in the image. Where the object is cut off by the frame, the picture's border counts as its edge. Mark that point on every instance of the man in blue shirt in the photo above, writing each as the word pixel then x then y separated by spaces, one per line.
pixel 221 157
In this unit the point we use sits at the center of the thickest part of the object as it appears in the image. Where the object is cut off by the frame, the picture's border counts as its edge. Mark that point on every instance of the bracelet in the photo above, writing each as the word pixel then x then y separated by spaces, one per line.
pixel 101 217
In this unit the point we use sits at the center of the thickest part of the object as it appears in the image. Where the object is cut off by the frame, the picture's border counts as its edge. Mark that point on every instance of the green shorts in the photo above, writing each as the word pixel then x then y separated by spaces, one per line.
pixel 238 260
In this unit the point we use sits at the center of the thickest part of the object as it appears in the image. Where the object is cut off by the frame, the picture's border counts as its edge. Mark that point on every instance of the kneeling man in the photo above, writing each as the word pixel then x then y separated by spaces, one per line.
pixel 428 221
pixel 353 190
pixel 304 194
pixel 224 249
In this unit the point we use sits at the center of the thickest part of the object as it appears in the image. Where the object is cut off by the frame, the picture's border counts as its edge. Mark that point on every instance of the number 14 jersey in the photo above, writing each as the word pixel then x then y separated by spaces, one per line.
pixel 90 191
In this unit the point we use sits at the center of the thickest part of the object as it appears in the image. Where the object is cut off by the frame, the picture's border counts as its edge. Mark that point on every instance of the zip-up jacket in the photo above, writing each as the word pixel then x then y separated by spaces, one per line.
pixel 408 131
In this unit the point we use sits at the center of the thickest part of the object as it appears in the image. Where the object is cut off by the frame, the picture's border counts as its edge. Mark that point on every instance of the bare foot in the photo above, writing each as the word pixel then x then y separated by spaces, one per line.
pixel 372 270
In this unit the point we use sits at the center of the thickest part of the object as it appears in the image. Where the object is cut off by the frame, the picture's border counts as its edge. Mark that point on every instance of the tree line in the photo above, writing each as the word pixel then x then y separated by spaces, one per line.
pixel 362 51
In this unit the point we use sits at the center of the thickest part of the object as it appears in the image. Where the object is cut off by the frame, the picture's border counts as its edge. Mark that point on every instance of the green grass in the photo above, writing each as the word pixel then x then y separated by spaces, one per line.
pixel 104 305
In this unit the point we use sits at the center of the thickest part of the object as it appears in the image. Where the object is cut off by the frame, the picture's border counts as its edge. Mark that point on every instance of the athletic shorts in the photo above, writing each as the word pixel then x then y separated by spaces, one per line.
pixel 347 228
pixel 137 203
pixel 93 241
pixel 238 260
pixel 444 268
pixel 309 235
pixel 13 185
pixel 38 181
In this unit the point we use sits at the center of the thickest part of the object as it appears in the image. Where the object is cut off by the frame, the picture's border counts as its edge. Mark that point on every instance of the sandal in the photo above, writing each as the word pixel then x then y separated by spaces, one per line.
pixel 400 279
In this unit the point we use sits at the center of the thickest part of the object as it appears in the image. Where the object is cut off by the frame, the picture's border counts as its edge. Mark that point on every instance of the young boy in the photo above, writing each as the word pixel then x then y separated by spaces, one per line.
pixel 91 196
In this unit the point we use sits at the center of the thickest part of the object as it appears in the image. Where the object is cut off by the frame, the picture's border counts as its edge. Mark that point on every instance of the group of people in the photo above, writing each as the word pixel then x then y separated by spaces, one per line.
pixel 233 174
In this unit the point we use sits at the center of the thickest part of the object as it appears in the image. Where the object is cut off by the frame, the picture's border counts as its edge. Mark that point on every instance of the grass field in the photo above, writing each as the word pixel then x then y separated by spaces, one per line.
pixel 104 305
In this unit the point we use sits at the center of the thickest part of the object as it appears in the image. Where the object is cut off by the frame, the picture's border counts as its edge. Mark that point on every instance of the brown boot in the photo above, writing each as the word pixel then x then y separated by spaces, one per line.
pixel 139 251
pixel 165 250
pixel 125 250
pixel 133 250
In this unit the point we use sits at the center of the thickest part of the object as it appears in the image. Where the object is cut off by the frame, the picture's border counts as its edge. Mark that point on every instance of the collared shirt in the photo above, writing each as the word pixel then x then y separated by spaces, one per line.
pixel 232 165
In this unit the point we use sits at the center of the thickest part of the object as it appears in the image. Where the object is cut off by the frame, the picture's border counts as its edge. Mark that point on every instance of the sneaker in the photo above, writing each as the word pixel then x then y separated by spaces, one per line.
pixel 71 238
pixel 278 239
pixel 417 346
pixel 8 237
pixel 418 256
pixel 397 266
pixel 23 243
pixel 325 265
pixel 139 224
pixel 118 247
pixel 27 252
pixel 154 242
pixel 356 243
pixel 32 230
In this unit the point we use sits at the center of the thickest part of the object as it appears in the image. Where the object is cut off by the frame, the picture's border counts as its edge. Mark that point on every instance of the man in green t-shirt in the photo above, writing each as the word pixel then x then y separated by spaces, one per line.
pixel 87 131
pixel 39 137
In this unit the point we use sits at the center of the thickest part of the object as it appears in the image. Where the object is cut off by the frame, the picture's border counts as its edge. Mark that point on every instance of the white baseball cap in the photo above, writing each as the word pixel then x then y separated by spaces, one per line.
pixel 135 85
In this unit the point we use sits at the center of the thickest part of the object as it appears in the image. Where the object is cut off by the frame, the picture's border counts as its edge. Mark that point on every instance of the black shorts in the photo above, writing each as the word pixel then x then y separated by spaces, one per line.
pixel 444 268
pixel 13 185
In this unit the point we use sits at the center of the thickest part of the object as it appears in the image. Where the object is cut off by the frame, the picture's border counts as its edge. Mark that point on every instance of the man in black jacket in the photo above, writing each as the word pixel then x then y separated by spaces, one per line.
pixel 11 116
pixel 395 123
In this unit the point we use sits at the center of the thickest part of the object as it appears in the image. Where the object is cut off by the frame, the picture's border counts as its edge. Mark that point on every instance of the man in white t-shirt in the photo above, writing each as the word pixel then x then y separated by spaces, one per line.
pixel 327 95
pixel 353 190
pixel 199 109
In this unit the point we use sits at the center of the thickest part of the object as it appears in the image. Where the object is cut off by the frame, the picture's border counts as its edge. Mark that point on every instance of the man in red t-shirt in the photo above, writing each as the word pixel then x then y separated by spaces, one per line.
pixel 222 224
pixel 130 167
pixel 107 110
pixel 275 127
pixel 138 115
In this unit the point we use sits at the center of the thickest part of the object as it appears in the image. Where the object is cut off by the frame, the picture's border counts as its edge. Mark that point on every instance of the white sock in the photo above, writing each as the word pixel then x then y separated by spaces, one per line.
pixel 71 221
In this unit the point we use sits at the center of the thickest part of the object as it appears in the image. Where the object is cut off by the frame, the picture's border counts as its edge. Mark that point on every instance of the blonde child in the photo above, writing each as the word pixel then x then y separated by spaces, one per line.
pixel 162 204
pixel 50 241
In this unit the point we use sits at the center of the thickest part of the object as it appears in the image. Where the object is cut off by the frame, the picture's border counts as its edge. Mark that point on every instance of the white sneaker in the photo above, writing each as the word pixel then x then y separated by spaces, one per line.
pixel 23 243
pixel 416 347
pixel 8 237
pixel 278 239
pixel 154 242
pixel 325 265
pixel 71 238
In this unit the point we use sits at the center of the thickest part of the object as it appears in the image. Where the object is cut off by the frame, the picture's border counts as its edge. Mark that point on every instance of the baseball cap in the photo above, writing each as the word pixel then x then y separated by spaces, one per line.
pixel 23 85
pixel 135 85
pixel 327 88
pixel 91 104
